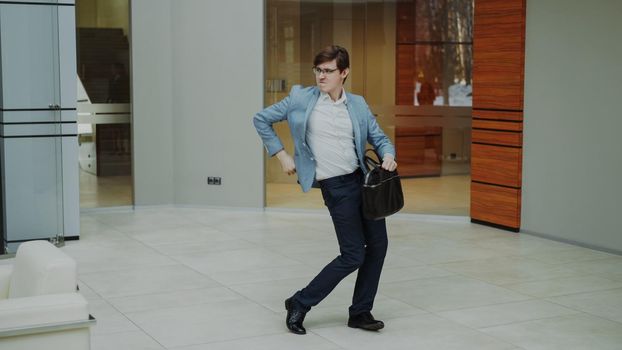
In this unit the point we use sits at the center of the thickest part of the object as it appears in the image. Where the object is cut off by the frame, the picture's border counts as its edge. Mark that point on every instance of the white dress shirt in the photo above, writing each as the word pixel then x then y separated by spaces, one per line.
pixel 331 137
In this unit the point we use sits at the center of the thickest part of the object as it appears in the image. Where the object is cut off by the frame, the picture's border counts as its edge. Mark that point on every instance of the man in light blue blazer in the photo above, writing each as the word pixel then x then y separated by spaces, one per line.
pixel 330 129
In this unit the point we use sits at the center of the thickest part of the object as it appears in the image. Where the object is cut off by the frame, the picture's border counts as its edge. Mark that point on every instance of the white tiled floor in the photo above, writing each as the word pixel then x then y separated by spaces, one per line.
pixel 194 279
pixel 437 195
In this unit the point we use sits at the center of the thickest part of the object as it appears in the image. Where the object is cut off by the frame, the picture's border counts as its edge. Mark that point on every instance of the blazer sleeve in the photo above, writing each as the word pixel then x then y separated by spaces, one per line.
pixel 263 123
pixel 375 136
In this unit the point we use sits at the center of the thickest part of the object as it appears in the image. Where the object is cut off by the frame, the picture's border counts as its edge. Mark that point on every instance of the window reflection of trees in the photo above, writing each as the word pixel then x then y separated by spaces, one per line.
pixel 443 46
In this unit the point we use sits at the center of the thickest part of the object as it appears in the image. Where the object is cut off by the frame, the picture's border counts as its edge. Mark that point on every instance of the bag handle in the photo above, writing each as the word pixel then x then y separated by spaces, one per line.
pixel 370 162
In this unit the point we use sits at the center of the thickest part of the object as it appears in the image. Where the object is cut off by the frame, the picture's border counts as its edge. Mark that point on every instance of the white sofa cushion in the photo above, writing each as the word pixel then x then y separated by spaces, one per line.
pixel 41 268
pixel 5 280
pixel 42 310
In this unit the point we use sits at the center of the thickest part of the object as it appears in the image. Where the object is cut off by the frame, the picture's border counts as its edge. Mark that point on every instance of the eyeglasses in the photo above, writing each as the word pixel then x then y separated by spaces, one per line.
pixel 327 71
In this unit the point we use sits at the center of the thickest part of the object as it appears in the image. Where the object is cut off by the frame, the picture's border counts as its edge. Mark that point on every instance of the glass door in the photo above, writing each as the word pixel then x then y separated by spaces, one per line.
pixel 31 143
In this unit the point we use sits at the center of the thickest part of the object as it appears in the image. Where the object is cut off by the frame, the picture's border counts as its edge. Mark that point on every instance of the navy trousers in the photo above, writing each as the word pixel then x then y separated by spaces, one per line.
pixel 362 246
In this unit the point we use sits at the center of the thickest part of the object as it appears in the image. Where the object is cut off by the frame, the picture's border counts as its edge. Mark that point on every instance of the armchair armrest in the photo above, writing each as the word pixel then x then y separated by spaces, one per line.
pixel 5 280
pixel 43 313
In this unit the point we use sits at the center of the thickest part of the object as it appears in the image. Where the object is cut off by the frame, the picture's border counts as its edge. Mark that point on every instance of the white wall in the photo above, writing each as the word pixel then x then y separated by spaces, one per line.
pixel 215 85
pixel 152 102
pixel 572 165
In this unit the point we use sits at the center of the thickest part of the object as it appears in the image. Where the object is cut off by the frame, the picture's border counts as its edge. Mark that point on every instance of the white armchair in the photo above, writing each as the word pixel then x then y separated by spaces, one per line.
pixel 39 304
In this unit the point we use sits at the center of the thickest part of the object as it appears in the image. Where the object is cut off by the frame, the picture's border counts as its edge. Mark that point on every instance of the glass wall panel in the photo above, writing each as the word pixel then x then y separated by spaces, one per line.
pixel 412 62
pixel 443 75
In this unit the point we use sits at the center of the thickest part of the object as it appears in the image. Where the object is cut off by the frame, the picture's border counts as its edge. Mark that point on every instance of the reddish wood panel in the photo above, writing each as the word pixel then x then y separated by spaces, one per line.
pixel 494 204
pixel 405 12
pixel 496 164
pixel 498 54
pixel 418 150
pixel 418 130
pixel 498 86
pixel 496 125
pixel 501 96
pixel 497 137
pixel 405 75
pixel 498 115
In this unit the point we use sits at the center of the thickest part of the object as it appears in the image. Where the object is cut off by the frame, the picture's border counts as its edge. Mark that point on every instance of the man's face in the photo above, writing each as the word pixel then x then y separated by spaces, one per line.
pixel 330 79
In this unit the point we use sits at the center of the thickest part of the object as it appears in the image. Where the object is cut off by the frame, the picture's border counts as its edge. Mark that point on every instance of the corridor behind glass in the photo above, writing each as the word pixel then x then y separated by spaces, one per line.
pixel 412 61
pixel 104 103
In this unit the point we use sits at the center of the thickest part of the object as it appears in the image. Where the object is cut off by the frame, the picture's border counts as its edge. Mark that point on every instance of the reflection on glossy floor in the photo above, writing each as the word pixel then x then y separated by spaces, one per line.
pixel 104 191
pixel 447 195
pixel 198 279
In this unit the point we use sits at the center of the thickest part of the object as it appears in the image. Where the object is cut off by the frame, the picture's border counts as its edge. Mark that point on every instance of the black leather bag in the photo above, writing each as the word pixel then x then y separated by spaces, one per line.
pixel 382 190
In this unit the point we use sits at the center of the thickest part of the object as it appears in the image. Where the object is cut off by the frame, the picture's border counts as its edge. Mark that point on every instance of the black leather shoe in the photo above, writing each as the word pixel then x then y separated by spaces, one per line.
pixel 294 318
pixel 365 321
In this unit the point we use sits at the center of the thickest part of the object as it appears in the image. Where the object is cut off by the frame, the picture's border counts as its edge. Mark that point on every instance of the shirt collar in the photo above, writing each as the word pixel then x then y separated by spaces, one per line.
pixel 343 99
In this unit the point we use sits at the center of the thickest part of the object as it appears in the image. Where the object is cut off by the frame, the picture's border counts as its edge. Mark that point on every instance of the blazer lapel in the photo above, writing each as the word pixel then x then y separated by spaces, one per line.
pixel 310 106
pixel 355 123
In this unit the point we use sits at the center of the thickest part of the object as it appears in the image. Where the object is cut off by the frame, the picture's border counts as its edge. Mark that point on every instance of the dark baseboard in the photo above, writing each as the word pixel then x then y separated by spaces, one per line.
pixel 502 227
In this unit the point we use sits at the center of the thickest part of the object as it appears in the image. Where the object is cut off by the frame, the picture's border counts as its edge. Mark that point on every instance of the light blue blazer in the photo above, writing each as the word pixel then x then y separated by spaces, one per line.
pixel 296 109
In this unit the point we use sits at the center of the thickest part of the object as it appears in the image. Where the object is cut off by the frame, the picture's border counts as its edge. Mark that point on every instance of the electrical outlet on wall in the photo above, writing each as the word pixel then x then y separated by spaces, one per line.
pixel 214 180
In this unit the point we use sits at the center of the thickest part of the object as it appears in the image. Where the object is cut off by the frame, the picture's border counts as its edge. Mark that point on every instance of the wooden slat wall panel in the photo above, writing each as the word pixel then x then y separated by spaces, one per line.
pixel 496 125
pixel 498 115
pixel 498 205
pixel 496 165
pixel 496 95
pixel 497 137
pixel 498 74
pixel 498 54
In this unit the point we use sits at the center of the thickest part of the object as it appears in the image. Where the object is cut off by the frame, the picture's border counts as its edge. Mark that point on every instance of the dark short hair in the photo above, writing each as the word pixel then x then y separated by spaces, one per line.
pixel 333 52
